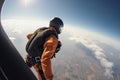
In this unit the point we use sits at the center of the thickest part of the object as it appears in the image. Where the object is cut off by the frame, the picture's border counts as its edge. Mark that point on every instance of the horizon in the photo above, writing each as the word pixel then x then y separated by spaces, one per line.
pixel 98 16
pixel 35 24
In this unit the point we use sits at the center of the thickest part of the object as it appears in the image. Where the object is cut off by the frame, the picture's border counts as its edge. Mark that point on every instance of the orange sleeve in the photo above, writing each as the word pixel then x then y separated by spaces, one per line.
pixel 49 49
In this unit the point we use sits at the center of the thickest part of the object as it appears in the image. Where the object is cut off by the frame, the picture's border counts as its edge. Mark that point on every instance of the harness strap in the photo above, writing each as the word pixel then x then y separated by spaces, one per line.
pixel 41 72
pixel 31 61
pixel 38 62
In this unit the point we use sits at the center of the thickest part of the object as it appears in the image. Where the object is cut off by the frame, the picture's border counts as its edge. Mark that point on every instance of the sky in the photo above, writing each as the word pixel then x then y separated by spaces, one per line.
pixel 102 16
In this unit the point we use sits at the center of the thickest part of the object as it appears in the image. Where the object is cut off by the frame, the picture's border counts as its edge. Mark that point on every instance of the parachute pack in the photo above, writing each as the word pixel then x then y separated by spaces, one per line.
pixel 34 46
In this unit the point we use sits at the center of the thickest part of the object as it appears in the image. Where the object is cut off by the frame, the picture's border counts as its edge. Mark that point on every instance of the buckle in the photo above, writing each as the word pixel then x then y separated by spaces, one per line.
pixel 37 59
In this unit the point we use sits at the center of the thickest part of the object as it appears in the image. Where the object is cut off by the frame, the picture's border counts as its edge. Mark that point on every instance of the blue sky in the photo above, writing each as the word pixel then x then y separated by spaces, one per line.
pixel 102 16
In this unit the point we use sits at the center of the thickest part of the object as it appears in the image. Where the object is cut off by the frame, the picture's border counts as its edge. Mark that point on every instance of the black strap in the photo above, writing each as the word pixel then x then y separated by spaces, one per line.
pixel 41 71
pixel 36 60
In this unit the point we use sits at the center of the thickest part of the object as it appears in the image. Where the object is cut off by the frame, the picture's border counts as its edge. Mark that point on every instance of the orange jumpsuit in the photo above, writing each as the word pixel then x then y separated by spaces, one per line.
pixel 49 48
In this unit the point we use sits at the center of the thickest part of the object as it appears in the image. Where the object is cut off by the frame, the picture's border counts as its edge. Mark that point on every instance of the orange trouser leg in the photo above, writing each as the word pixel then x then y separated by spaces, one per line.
pixel 37 70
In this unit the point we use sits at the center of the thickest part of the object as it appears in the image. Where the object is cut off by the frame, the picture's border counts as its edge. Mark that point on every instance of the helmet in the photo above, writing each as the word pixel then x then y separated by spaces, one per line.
pixel 57 23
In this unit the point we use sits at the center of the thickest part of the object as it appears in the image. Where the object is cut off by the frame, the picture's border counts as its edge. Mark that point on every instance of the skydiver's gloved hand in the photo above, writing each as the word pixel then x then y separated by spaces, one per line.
pixel 27 61
pixel 29 36
pixel 57 49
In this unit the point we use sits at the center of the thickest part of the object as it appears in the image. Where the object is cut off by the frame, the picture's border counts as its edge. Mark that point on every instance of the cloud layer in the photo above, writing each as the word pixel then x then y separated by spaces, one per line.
pixel 99 53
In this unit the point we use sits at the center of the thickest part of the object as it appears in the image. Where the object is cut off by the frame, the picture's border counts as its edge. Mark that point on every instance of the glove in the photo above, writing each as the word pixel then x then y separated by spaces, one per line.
pixel 27 61
pixel 57 49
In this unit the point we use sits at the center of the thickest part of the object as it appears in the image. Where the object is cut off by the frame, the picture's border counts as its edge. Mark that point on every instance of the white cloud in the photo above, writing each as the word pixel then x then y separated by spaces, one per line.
pixel 99 53
pixel 23 24
pixel 90 35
